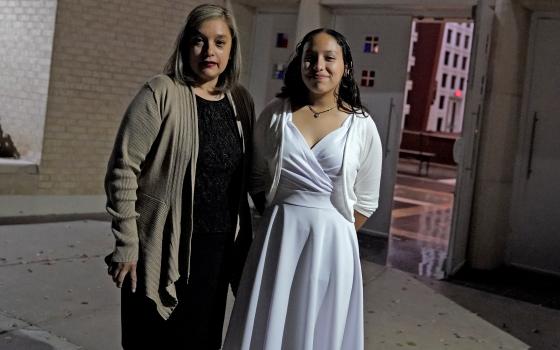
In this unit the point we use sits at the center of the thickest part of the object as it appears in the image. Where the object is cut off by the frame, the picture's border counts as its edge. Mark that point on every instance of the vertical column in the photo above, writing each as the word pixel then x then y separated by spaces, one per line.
pixel 245 20
pixel 312 15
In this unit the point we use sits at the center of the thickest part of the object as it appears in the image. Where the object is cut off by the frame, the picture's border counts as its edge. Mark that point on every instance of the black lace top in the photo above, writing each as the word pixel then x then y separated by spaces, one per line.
pixel 218 168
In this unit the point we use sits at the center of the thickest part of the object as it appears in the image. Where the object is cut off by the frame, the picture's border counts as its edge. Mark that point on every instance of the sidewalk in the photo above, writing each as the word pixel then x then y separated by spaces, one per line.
pixel 57 295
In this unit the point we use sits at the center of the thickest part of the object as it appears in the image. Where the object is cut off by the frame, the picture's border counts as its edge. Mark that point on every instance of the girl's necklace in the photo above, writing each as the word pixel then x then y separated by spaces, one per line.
pixel 317 114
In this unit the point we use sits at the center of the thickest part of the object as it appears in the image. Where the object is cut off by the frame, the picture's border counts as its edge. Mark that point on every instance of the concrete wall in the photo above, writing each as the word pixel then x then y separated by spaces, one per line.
pixel 103 51
pixel 26 38
pixel 266 55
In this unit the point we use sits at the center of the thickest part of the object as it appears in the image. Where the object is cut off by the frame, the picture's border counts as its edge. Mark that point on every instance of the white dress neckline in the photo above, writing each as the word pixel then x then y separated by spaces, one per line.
pixel 342 126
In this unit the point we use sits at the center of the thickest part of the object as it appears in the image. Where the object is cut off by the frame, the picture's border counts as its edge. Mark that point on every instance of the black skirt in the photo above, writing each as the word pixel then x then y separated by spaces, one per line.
pixel 197 321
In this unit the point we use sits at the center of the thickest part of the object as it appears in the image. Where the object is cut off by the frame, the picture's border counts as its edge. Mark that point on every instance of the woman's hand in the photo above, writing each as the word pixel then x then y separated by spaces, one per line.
pixel 119 270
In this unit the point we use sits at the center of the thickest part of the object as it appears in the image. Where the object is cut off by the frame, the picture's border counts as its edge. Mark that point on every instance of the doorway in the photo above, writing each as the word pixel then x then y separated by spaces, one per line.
pixel 422 209
pixel 419 176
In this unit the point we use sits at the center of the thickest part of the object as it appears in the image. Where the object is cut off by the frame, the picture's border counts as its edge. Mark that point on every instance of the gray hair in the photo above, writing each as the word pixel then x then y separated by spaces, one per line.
pixel 178 66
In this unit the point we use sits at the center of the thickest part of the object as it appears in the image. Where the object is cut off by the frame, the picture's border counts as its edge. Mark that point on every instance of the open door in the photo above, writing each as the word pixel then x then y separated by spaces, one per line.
pixel 535 238
pixel 466 148
pixel 380 48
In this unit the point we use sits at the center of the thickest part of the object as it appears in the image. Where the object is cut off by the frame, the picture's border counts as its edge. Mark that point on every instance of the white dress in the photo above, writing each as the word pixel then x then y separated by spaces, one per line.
pixel 302 284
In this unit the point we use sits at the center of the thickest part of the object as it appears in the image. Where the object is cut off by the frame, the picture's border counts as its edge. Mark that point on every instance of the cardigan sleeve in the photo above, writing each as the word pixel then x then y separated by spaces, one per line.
pixel 368 178
pixel 137 132
pixel 259 171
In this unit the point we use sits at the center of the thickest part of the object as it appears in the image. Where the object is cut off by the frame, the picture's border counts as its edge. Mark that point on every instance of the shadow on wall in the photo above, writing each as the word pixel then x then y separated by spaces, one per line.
pixel 7 147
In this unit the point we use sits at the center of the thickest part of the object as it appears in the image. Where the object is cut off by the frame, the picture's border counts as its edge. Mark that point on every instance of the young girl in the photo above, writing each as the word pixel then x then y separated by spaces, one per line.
pixel 317 168
pixel 176 190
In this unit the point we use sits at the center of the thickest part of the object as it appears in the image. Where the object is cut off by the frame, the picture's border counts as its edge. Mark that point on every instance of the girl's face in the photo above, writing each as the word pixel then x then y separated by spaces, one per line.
pixel 322 64
pixel 210 49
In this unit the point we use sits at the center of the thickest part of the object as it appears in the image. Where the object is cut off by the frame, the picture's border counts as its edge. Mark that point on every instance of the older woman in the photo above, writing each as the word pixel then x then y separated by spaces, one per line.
pixel 176 189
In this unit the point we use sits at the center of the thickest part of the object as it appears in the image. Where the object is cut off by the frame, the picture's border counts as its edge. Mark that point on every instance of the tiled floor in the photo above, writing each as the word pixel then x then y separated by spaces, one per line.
pixel 55 291
pixel 534 324
pixel 421 221
pixel 511 282
pixel 524 304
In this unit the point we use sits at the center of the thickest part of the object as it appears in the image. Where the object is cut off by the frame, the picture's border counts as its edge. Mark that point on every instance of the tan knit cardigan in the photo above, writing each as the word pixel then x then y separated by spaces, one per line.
pixel 156 142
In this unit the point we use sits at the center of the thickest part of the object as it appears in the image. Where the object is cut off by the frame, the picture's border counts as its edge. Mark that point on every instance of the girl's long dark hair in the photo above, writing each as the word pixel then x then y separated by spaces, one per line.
pixel 348 97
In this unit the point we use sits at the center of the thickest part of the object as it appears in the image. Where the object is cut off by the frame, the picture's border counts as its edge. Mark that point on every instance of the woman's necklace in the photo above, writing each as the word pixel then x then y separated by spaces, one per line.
pixel 210 95
pixel 317 114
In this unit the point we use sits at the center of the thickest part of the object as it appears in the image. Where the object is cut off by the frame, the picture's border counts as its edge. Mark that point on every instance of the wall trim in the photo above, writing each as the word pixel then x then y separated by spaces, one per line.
pixel 18 166
pixel 32 205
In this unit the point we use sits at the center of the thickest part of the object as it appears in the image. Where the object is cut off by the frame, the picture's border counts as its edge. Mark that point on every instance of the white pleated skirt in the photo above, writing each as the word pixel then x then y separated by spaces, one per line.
pixel 302 284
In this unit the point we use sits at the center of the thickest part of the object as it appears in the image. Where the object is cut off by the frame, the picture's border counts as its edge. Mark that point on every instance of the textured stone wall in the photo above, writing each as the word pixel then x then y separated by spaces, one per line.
pixel 26 37
pixel 103 51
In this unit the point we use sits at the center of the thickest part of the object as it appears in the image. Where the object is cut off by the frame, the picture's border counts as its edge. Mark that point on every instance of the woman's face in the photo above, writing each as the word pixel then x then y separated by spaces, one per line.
pixel 210 49
pixel 322 64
